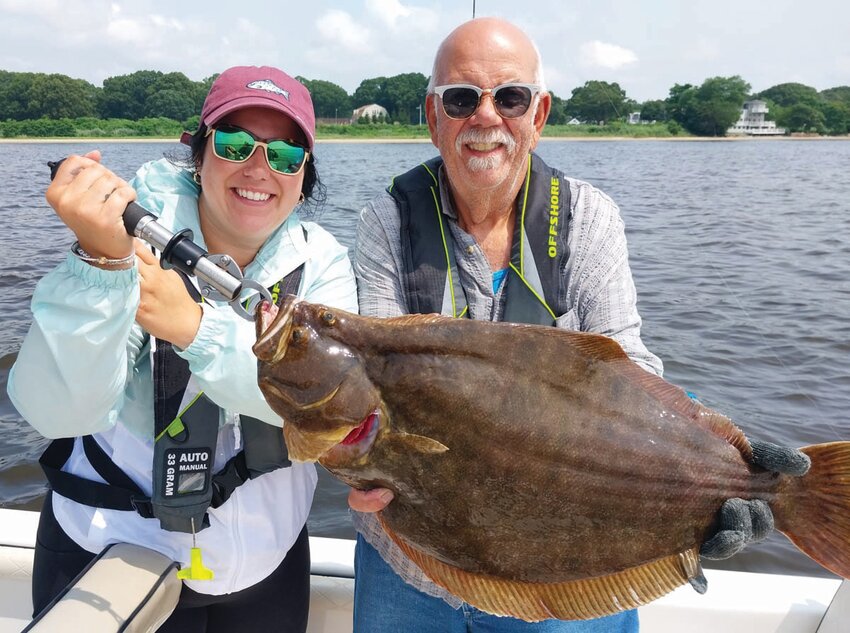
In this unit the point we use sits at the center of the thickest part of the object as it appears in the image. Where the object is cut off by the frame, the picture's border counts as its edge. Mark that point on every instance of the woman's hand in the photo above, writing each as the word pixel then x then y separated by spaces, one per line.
pixel 91 200
pixel 373 500
pixel 166 309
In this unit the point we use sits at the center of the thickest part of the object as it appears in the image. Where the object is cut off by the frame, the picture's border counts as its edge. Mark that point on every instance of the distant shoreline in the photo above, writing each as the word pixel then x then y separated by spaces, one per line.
pixel 700 139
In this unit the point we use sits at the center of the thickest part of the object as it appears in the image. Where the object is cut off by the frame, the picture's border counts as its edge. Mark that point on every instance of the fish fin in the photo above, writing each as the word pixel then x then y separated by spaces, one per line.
pixel 678 400
pixel 813 511
pixel 407 320
pixel 604 348
pixel 418 443
pixel 607 349
pixel 590 344
pixel 569 600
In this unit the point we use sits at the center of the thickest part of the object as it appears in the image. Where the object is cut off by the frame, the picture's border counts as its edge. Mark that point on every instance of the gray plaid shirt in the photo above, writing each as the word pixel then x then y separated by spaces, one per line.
pixel 599 291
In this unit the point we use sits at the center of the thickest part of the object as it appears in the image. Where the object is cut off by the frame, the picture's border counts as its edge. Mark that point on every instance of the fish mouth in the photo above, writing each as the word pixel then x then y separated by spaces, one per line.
pixel 355 446
pixel 311 446
pixel 336 447
pixel 269 321
pixel 363 431
pixel 266 313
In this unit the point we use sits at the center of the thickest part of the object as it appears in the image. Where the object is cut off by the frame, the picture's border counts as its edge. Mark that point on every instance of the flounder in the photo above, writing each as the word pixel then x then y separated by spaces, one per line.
pixel 538 473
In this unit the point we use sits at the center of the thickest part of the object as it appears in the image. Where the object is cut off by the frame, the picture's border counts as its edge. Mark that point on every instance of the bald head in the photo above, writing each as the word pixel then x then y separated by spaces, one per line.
pixel 483 46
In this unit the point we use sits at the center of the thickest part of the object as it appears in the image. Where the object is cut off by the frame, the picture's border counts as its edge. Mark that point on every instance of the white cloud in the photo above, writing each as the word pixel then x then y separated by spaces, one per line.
pixel 69 20
pixel 340 30
pixel 33 7
pixel 558 81
pixel 399 17
pixel 173 24
pixel 132 31
pixel 389 11
pixel 385 38
pixel 162 40
pixel 196 47
pixel 598 54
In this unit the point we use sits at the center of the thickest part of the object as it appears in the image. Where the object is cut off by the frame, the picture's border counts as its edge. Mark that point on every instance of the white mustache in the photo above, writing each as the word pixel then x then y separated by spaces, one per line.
pixel 484 163
pixel 485 136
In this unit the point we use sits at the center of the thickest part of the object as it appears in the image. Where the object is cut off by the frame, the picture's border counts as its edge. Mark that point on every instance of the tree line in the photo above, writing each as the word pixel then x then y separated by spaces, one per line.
pixel 157 98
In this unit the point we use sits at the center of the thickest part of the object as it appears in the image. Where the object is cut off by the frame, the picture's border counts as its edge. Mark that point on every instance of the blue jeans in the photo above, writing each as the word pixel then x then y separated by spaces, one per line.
pixel 384 603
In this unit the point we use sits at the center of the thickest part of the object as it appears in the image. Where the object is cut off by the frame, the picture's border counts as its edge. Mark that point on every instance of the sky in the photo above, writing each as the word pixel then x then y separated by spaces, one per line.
pixel 644 46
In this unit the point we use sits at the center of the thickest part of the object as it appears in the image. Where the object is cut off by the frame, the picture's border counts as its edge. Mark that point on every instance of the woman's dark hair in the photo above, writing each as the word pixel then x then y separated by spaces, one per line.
pixel 314 191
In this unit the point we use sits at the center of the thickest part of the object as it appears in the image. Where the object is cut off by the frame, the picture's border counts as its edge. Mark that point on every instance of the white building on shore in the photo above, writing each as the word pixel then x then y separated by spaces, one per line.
pixel 752 121
pixel 370 111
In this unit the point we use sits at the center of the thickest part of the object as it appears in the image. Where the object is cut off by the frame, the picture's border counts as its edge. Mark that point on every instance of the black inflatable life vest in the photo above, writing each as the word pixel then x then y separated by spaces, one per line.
pixel 539 251
pixel 183 485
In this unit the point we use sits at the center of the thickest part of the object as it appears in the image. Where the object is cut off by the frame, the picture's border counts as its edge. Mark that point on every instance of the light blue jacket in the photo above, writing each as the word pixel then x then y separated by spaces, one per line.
pixel 84 368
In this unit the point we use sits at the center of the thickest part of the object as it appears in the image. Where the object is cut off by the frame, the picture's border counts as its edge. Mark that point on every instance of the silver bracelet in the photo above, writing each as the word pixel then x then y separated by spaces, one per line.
pixel 78 252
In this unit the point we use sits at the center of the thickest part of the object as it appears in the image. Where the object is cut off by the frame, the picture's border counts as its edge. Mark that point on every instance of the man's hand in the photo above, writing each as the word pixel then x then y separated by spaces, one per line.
pixel 743 522
pixel 373 500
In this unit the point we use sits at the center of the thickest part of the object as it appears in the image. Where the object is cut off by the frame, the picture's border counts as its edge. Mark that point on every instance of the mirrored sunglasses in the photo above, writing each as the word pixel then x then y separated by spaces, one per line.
pixel 236 145
pixel 460 101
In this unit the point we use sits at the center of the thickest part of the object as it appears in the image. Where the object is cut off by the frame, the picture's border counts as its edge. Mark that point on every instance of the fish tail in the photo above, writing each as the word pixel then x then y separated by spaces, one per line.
pixel 814 511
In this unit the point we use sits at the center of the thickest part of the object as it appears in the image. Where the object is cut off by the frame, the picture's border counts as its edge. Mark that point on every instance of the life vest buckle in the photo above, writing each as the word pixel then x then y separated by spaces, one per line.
pixel 233 475
pixel 143 506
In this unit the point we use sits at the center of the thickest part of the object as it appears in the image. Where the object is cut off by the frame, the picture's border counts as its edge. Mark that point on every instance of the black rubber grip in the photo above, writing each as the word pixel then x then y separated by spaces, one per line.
pixel 133 214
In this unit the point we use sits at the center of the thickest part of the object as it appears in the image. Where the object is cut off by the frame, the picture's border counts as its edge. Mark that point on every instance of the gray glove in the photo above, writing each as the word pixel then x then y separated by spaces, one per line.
pixel 743 522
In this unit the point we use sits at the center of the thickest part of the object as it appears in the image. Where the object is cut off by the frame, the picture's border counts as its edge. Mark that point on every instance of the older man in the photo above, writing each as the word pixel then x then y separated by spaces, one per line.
pixel 486 231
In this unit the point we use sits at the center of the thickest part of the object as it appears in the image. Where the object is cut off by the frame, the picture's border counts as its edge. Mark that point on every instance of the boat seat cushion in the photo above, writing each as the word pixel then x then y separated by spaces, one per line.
pixel 126 588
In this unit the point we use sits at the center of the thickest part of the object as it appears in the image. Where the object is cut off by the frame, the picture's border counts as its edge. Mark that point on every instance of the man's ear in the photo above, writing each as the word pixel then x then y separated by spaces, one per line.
pixel 431 116
pixel 544 106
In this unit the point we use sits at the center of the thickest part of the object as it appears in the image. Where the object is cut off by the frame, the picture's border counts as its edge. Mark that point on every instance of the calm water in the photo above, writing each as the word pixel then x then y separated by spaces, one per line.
pixel 740 252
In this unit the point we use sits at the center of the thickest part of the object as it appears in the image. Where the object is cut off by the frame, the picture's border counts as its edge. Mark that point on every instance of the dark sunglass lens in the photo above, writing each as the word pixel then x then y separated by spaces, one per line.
pixel 232 144
pixel 512 101
pixel 285 158
pixel 460 103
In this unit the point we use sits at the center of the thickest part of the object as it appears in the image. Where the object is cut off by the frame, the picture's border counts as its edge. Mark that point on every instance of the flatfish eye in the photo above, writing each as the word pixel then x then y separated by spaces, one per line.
pixel 328 317
pixel 298 335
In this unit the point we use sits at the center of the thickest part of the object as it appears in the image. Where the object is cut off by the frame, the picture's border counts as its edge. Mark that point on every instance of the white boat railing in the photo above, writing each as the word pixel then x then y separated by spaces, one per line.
pixel 736 602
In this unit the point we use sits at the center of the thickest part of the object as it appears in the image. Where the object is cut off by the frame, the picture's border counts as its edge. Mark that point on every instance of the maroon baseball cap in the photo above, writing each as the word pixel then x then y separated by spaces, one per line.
pixel 262 87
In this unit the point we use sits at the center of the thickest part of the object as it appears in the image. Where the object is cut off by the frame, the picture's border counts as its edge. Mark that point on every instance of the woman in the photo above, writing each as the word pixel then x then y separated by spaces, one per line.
pixel 123 351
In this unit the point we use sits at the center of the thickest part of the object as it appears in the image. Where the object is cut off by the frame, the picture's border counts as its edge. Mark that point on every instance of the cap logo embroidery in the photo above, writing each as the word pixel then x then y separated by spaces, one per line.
pixel 269 86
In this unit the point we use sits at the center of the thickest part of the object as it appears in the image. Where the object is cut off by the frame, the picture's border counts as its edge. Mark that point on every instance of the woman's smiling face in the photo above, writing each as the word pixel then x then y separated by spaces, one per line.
pixel 241 204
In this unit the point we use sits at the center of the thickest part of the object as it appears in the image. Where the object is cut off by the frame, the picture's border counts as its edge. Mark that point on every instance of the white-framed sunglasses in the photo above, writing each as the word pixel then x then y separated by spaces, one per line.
pixel 236 145
pixel 511 100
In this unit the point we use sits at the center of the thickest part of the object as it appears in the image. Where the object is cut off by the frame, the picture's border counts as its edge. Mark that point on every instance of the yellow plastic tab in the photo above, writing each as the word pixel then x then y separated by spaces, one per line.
pixel 176 427
pixel 196 569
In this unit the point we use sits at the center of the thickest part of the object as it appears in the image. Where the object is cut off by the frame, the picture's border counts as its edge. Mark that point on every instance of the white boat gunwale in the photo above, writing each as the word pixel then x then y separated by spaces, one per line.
pixel 736 602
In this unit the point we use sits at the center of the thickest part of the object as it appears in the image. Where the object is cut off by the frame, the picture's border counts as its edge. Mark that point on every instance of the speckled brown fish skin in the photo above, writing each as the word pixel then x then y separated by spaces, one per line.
pixel 565 459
